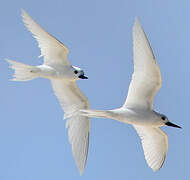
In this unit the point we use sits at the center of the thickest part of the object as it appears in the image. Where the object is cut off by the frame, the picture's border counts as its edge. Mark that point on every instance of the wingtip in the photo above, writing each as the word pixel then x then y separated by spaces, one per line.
pixel 80 168
pixel 23 12
pixel 137 22
pixel 81 172
pixel 25 16
pixel 136 19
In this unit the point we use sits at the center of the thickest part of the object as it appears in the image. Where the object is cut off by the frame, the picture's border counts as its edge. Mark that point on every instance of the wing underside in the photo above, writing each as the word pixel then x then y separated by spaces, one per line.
pixel 155 145
pixel 72 100
pixel 53 50
pixel 146 78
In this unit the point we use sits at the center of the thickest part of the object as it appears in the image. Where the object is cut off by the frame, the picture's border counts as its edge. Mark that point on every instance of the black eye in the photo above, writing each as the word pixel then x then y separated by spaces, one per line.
pixel 163 118
pixel 75 71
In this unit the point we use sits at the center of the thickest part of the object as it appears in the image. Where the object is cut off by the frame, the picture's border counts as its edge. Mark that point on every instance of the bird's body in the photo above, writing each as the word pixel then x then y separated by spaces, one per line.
pixel 138 107
pixel 63 77
pixel 55 72
pixel 130 116
pixel 52 71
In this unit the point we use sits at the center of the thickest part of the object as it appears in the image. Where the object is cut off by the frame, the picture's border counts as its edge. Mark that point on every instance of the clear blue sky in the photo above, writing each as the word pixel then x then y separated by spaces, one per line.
pixel 98 33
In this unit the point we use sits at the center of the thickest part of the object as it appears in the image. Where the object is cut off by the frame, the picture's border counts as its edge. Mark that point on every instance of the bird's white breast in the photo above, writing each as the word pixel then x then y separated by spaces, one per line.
pixel 136 116
pixel 55 72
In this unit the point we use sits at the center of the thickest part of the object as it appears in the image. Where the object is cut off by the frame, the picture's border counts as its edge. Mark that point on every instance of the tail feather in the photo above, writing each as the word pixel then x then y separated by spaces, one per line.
pixel 95 113
pixel 23 72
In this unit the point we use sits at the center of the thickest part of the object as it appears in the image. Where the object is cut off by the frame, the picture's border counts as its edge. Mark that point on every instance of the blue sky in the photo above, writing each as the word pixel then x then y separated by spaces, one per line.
pixel 33 138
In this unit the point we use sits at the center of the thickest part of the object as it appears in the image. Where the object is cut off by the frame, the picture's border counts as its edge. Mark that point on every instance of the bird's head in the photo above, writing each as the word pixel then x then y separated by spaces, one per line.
pixel 166 122
pixel 78 73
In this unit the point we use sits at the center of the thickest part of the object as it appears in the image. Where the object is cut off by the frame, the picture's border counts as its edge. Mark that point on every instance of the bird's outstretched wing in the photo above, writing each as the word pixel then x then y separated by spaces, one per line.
pixel 54 51
pixel 146 78
pixel 155 145
pixel 72 100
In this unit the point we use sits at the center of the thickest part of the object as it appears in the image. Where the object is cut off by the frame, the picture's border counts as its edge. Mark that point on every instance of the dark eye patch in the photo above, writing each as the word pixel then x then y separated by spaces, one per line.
pixel 75 71
pixel 163 118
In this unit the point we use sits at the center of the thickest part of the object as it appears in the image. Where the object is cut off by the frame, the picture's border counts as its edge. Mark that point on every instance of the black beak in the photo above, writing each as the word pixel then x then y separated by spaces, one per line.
pixel 171 124
pixel 83 77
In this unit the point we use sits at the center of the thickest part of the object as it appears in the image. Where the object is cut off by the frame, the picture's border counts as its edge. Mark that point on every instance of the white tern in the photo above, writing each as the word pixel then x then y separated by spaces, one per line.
pixel 63 76
pixel 138 107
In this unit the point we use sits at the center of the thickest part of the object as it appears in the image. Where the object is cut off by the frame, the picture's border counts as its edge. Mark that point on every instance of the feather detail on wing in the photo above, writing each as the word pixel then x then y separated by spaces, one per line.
pixel 72 100
pixel 146 78
pixel 155 145
pixel 53 50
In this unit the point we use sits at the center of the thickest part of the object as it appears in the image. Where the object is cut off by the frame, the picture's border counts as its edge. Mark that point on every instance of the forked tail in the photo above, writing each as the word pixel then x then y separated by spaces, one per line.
pixel 23 72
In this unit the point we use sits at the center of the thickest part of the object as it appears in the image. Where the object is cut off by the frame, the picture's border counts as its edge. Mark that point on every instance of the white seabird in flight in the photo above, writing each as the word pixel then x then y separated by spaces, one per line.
pixel 63 76
pixel 138 107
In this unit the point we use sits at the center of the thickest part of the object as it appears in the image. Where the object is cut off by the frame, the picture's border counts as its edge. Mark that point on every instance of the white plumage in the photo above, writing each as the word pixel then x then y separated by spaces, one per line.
pixel 146 78
pixel 63 78
pixel 155 145
pixel 71 100
pixel 53 50
pixel 138 107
